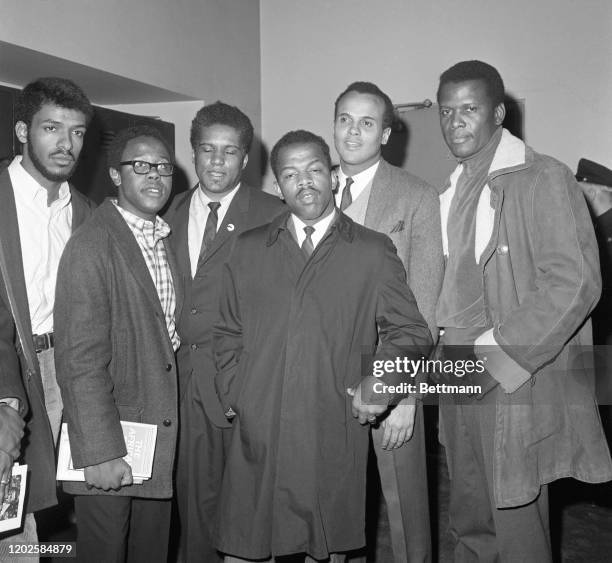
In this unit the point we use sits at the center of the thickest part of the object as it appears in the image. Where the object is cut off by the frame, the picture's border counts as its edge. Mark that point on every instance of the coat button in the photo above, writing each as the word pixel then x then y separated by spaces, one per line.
pixel 194 346
pixel 194 311
pixel 167 422
pixel 168 367
pixel 502 249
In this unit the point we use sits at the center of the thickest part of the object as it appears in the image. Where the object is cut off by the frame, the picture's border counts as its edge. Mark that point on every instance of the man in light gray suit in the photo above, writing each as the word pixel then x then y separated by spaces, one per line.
pixel 392 201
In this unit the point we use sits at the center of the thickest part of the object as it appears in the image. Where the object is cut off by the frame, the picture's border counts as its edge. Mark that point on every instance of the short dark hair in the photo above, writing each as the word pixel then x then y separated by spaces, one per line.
pixel 123 137
pixel 475 70
pixel 223 114
pixel 370 88
pixel 299 137
pixel 51 90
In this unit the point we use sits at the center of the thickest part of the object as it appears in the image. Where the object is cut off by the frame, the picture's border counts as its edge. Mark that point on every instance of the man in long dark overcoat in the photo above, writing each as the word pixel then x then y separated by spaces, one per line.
pixel 303 298
pixel 205 223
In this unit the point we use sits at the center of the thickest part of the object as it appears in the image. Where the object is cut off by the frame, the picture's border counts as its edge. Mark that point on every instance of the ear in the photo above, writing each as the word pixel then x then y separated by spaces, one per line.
pixel 244 161
pixel 21 130
pixel 335 180
pixel 385 135
pixel 115 176
pixel 192 156
pixel 499 113
pixel 277 189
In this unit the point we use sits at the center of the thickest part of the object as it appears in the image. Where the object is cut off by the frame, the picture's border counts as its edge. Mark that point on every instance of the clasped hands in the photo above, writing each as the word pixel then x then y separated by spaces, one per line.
pixel 398 424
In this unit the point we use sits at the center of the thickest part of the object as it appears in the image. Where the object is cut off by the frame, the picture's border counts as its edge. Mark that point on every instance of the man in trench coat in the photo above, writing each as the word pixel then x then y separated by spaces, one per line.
pixel 303 298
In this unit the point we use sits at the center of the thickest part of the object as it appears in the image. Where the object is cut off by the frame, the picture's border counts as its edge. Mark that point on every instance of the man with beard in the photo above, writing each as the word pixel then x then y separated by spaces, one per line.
pixel 205 222
pixel 302 299
pixel 39 212
pixel 117 295
pixel 394 202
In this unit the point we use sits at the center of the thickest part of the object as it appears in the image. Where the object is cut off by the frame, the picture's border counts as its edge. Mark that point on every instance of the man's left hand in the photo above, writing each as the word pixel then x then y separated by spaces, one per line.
pixel 399 424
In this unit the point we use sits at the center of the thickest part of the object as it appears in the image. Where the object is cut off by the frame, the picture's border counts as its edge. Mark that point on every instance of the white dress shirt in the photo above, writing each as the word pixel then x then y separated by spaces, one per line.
pixel 198 214
pixel 320 228
pixel 43 233
pixel 360 182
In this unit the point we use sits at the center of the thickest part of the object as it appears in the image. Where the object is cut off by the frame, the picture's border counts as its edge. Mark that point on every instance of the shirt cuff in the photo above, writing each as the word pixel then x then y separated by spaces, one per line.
pixel 500 365
pixel 11 402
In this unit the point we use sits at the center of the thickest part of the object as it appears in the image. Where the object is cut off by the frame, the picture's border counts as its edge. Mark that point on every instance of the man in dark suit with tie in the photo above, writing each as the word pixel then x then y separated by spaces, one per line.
pixel 390 200
pixel 205 222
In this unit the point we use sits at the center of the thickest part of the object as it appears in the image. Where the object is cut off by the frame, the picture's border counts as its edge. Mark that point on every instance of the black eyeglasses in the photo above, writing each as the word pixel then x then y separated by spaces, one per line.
pixel 144 167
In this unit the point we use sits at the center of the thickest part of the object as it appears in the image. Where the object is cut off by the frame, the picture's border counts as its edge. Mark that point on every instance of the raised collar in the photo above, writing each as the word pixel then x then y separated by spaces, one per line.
pixel 343 224
pixel 510 153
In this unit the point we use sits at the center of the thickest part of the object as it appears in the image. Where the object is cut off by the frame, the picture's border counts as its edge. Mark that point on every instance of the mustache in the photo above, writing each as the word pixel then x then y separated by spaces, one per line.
pixel 63 152
pixel 309 188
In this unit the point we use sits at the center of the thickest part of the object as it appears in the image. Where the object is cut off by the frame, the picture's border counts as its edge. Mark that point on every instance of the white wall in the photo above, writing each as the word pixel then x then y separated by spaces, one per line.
pixel 207 49
pixel 557 54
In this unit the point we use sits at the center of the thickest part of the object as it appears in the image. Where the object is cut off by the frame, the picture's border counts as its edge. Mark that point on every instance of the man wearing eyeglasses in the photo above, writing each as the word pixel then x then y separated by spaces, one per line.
pixel 118 294
pixel 205 224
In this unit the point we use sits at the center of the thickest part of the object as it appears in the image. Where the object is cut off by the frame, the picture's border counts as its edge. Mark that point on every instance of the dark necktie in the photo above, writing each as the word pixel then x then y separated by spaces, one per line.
pixel 307 246
pixel 347 198
pixel 210 229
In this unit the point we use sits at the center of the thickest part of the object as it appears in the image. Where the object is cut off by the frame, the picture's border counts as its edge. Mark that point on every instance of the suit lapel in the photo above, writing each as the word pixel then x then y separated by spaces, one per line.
pixel 179 237
pixel 80 211
pixel 178 280
pixel 9 231
pixel 128 246
pixel 233 223
pixel 380 204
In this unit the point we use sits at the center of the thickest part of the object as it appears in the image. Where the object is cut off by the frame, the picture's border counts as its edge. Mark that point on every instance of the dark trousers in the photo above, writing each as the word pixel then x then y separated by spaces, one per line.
pixel 403 479
pixel 113 529
pixel 199 473
pixel 483 532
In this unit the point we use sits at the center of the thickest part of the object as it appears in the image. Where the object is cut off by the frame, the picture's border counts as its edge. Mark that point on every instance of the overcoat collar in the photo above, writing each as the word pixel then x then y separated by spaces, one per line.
pixel 343 224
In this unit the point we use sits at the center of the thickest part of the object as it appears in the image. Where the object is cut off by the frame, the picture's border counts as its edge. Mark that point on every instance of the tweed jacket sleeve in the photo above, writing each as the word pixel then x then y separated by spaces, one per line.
pixel 83 353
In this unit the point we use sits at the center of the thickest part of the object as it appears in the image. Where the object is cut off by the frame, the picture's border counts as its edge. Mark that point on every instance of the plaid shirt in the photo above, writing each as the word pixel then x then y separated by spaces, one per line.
pixel 149 236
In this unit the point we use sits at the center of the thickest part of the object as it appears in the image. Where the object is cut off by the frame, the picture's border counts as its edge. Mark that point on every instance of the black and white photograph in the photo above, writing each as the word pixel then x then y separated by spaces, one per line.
pixel 306 281
pixel 11 510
